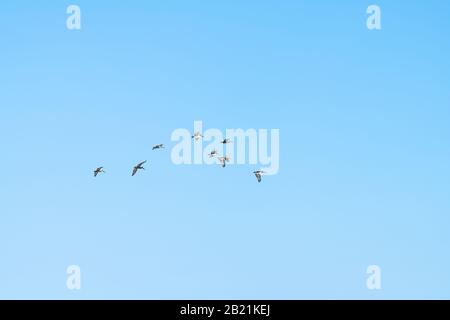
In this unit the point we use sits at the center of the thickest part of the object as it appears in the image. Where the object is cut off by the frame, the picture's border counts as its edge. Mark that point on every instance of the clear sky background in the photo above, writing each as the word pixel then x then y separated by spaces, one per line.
pixel 364 161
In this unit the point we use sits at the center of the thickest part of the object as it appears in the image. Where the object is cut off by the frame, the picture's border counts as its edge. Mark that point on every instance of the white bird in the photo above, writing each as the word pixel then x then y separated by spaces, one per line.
pixel 212 153
pixel 258 174
pixel 224 160
pixel 98 170
pixel 138 167
pixel 197 136
pixel 158 146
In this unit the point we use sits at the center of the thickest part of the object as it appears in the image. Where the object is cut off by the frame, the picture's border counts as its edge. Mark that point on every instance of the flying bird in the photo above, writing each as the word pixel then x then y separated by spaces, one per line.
pixel 98 170
pixel 138 167
pixel 212 153
pixel 158 146
pixel 224 160
pixel 258 174
pixel 197 136
pixel 225 141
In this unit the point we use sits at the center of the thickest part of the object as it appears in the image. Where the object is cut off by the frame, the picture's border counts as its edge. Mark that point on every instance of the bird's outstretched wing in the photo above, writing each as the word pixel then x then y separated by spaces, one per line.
pixel 95 173
pixel 135 169
pixel 258 176
pixel 140 164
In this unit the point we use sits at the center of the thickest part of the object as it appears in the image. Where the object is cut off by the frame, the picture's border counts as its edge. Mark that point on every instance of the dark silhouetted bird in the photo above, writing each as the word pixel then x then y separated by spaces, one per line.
pixel 158 146
pixel 98 170
pixel 225 141
pixel 138 167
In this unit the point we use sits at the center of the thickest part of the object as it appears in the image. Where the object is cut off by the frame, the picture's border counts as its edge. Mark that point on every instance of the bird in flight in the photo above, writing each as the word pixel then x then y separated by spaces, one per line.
pixel 197 136
pixel 224 160
pixel 212 153
pixel 158 146
pixel 98 170
pixel 258 174
pixel 225 141
pixel 138 167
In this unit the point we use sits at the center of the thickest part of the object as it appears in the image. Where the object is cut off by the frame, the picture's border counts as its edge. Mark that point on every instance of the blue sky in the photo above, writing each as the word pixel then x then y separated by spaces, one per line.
pixel 364 150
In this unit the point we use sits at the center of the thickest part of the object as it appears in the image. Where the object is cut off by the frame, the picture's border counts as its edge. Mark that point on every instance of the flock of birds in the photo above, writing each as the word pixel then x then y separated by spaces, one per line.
pixel 196 136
